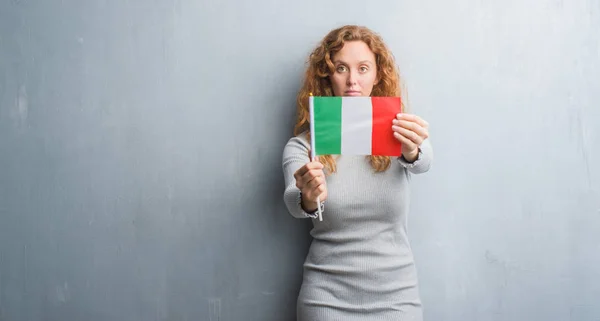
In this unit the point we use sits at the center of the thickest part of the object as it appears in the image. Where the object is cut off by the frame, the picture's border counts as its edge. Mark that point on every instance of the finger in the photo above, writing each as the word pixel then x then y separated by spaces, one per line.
pixel 412 126
pixel 312 192
pixel 412 136
pixel 321 191
pixel 308 166
pixel 407 144
pixel 317 191
pixel 310 184
pixel 413 118
pixel 311 175
pixel 316 182
pixel 314 165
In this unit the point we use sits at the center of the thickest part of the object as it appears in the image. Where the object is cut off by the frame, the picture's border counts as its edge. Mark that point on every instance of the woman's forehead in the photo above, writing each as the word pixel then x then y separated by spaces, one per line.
pixel 354 52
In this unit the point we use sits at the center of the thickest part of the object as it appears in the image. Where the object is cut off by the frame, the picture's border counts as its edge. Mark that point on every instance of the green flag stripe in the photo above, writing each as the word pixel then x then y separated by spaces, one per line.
pixel 328 125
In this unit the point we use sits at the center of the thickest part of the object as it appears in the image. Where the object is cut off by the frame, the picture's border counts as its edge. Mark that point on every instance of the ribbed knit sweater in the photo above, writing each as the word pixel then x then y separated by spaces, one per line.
pixel 360 264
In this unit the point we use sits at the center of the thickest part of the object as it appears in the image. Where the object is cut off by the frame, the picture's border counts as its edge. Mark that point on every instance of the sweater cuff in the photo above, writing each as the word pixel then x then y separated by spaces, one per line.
pixel 313 214
pixel 413 164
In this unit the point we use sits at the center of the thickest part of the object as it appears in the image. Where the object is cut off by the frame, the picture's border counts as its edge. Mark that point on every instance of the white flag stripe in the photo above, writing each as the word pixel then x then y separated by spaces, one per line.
pixel 357 125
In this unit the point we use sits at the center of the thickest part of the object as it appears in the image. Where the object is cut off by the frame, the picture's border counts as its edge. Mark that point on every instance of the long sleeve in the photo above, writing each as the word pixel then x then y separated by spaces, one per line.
pixel 295 155
pixel 423 162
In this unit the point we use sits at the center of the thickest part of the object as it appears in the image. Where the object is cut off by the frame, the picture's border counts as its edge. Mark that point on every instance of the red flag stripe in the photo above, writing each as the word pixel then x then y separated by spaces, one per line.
pixel 384 112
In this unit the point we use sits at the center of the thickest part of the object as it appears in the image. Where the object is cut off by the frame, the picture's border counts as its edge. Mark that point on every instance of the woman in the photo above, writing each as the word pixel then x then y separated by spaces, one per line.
pixel 360 265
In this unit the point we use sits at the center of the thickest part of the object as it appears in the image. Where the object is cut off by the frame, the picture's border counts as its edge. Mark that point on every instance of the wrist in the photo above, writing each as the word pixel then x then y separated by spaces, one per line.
pixel 309 206
pixel 411 156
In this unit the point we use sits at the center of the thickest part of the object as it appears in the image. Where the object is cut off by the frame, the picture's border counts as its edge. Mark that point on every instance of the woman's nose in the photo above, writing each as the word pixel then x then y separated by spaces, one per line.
pixel 351 80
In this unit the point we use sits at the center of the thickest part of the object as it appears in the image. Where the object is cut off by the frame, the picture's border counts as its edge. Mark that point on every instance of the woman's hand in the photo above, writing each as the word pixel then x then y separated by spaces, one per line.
pixel 411 131
pixel 310 179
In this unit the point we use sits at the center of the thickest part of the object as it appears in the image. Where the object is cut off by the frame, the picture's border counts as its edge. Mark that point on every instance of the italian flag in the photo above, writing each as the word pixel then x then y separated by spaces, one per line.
pixel 354 125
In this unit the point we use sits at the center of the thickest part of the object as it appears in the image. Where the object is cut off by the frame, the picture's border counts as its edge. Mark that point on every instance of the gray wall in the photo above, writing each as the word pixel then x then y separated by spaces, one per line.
pixel 140 149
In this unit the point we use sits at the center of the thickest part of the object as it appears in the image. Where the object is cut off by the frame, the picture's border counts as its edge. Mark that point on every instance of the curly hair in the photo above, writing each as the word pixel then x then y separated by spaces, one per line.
pixel 317 82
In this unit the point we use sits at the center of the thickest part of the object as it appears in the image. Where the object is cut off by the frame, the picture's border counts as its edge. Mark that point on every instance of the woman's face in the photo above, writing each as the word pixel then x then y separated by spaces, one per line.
pixel 355 71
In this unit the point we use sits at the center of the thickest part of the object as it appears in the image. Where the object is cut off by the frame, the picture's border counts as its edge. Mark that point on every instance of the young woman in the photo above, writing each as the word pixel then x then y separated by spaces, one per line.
pixel 360 265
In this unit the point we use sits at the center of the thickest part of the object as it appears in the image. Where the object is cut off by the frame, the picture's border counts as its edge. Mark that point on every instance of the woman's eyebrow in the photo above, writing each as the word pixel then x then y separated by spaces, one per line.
pixel 360 62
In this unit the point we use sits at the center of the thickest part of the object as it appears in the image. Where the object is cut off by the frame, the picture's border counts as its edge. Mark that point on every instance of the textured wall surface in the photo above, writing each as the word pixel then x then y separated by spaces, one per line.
pixel 140 156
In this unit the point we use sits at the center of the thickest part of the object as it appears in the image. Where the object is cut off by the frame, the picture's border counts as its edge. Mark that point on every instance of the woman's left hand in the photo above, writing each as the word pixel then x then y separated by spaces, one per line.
pixel 411 131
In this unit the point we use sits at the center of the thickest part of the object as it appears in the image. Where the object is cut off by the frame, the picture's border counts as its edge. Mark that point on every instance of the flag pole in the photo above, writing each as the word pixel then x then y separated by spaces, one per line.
pixel 312 144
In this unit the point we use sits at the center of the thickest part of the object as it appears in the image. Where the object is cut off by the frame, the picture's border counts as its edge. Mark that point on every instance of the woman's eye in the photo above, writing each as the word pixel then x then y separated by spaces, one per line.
pixel 341 69
pixel 364 69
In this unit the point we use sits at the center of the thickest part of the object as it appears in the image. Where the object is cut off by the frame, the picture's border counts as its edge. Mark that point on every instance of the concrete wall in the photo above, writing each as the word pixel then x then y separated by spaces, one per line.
pixel 140 156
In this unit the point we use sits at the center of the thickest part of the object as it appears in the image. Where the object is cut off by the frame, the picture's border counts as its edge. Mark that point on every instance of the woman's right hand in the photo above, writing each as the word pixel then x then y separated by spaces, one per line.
pixel 310 179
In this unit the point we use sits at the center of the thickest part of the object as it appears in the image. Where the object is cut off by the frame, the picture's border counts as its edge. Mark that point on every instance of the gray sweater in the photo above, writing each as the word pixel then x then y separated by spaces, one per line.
pixel 360 265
